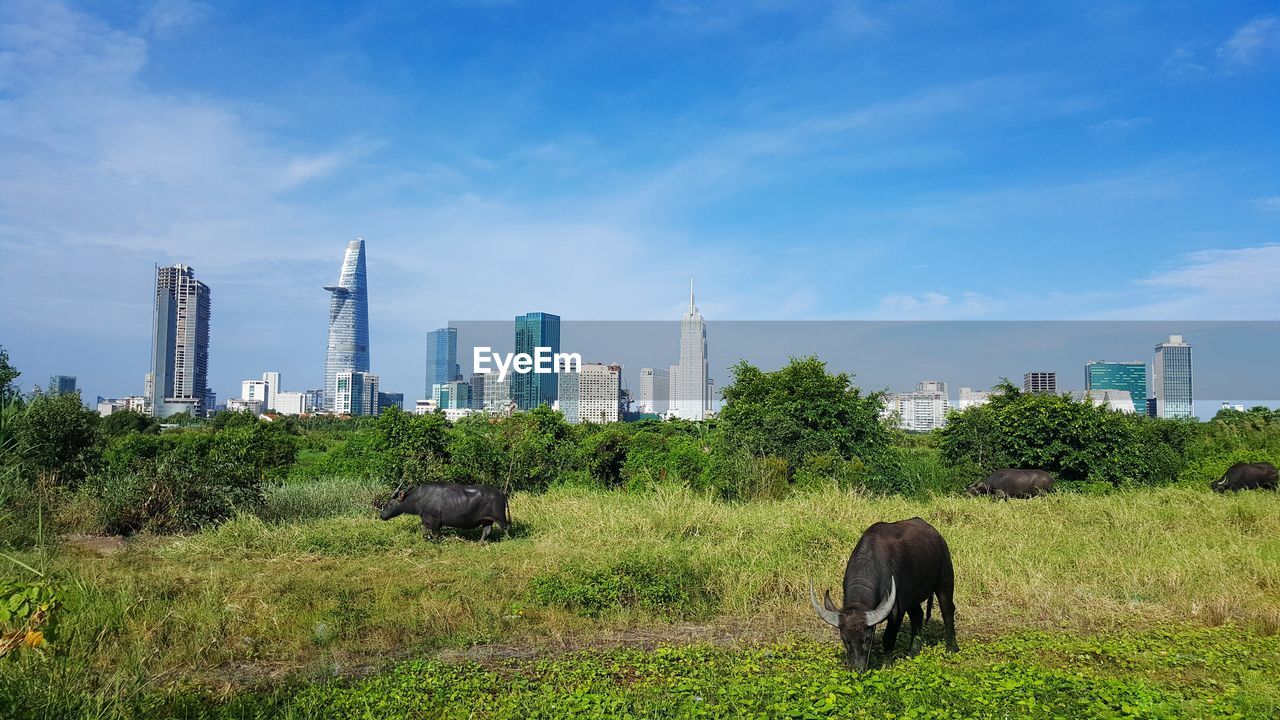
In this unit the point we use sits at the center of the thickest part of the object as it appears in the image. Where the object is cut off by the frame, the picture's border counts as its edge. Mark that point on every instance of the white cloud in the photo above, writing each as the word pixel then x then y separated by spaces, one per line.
pixel 1238 284
pixel 936 306
pixel 1270 203
pixel 170 17
pixel 1253 42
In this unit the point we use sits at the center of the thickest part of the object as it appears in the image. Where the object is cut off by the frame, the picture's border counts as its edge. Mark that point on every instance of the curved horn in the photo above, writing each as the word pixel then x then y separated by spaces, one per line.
pixel 875 617
pixel 826 601
pixel 830 617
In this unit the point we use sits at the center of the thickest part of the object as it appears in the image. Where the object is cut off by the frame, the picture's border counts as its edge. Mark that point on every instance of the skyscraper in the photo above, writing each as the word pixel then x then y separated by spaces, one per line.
pixel 348 323
pixel 1171 379
pixel 442 357
pixel 180 344
pixel 1040 382
pixel 654 390
pixel 355 393
pixel 692 394
pixel 535 330
pixel 1129 375
pixel 62 384
pixel 272 379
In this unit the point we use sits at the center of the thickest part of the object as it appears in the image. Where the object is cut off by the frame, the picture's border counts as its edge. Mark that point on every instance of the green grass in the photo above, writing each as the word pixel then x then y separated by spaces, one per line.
pixel 255 603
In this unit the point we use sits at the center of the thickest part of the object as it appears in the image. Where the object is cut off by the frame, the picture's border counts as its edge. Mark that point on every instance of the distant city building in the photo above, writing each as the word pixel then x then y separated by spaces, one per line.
pixel 599 393
pixel 294 403
pixel 673 389
pixel 180 344
pixel 655 391
pixel 390 400
pixel 243 405
pixel 452 395
pixel 497 394
pixel 1171 381
pixel 923 410
pixel 106 406
pixel 1129 375
pixel 1040 382
pixel 477 390
pixel 272 379
pixel 425 407
pixel 535 330
pixel 692 399
pixel 1151 407
pixel 1118 400
pixel 1228 406
pixel 568 394
pixel 970 397
pixel 136 403
pixel 253 390
pixel 62 384
pixel 356 393
pixel 456 414
pixel 442 358
pixel 348 349
pixel 315 399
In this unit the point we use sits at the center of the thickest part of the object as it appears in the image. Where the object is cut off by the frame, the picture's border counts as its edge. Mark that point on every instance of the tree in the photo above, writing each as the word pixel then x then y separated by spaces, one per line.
pixel 415 447
pixel 55 437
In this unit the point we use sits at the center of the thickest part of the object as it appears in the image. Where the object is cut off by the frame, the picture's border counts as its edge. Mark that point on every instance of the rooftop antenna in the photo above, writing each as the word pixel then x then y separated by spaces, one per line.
pixel 691 308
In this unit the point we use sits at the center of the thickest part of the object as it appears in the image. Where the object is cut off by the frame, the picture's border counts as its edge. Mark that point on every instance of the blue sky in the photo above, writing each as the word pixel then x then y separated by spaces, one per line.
pixel 914 160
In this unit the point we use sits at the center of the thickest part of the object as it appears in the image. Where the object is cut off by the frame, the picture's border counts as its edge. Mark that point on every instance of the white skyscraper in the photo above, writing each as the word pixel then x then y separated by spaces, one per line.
pixel 272 379
pixel 599 389
pixel 1171 379
pixel 922 410
pixel 655 391
pixel 693 396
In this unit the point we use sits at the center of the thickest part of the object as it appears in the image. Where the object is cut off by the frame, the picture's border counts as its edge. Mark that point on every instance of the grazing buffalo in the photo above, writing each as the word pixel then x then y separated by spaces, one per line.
pixel 894 568
pixel 444 503
pixel 1247 476
pixel 1013 483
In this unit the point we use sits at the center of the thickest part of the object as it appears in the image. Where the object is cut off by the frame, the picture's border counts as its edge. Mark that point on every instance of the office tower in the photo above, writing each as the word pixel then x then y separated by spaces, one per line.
pixel 673 389
pixel 355 393
pixel 970 397
pixel 692 399
pixel 390 400
pixel 568 394
pixel 62 384
pixel 1171 379
pixel 923 410
pixel 655 391
pixel 442 357
pixel 1040 382
pixel 453 395
pixel 497 394
pixel 315 399
pixel 1129 376
pixel 477 391
pixel 254 391
pixel 599 393
pixel 535 330
pixel 272 379
pixel 180 344
pixel 348 349
pixel 293 403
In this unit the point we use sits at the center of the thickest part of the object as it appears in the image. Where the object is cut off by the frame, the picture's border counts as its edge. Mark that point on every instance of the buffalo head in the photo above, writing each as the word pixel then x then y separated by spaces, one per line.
pixel 857 626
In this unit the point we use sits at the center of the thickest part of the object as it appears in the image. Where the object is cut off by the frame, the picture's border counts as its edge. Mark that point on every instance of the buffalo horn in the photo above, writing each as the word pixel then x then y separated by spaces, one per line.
pixel 875 617
pixel 830 617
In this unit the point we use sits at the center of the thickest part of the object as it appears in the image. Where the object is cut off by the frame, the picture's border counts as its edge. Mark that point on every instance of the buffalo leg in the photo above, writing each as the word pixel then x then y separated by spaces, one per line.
pixel 484 534
pixel 917 624
pixel 891 632
pixel 430 527
pixel 948 608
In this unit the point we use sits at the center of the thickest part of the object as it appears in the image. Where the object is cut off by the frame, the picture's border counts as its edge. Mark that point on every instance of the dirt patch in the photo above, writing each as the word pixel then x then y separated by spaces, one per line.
pixel 97 545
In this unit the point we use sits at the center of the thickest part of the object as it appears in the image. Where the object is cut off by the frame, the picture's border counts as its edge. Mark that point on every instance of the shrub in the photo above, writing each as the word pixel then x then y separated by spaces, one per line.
pixel 667 586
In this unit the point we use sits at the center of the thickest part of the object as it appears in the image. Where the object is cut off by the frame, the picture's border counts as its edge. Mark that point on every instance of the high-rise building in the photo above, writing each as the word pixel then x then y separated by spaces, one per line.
pixel 599 393
pixel 923 410
pixel 293 403
pixel 453 395
pixel 535 330
pixel 1040 382
pixel 568 394
pixel 477 390
pixel 693 394
pixel 655 391
pixel 1171 383
pixel 673 389
pixel 442 358
pixel 390 400
pixel 254 391
pixel 180 344
pixel 970 397
pixel 1129 376
pixel 355 393
pixel 62 384
pixel 272 379
pixel 497 393
pixel 315 399
pixel 931 386
pixel 348 349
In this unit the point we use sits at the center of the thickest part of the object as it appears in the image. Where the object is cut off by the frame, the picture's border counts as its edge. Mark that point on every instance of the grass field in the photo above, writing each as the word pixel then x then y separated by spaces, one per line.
pixel 1160 601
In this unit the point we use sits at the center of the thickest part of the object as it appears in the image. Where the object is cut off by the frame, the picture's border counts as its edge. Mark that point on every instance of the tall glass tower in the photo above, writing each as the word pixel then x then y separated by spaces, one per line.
pixel 1130 376
pixel 348 323
pixel 1171 379
pixel 180 344
pixel 442 358
pixel 535 330
pixel 691 386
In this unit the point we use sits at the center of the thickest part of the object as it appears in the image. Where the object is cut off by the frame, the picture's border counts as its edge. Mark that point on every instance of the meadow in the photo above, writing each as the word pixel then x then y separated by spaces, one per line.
pixel 1146 602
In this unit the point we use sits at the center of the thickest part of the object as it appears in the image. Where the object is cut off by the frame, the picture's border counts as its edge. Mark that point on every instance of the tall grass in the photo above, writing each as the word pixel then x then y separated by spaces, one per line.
pixel 256 600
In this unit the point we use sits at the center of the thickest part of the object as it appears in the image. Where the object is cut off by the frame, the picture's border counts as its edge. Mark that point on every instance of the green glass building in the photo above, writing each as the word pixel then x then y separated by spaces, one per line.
pixel 535 330
pixel 1130 376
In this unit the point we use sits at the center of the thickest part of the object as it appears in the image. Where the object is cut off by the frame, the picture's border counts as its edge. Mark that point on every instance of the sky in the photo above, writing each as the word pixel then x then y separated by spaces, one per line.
pixel 802 161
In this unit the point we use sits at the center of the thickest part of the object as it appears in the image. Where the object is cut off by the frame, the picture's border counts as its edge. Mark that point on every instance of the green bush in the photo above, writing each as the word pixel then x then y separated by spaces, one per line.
pixel 666 586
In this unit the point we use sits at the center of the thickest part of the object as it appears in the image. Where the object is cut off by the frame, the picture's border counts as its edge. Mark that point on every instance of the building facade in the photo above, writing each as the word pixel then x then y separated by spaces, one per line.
pixel 442 358
pixel 477 390
pixel 497 393
pixel 1040 382
pixel 254 390
pixel 1171 380
pixel 535 330
pixel 293 403
pixel 970 397
pixel 655 391
pixel 243 405
pixel 348 349
pixel 180 344
pixel 599 393
pixel 272 379
pixel 922 410
pixel 452 395
pixel 1117 400
pixel 387 401
pixel 62 384
pixel 692 389
pixel 1129 376
pixel 355 393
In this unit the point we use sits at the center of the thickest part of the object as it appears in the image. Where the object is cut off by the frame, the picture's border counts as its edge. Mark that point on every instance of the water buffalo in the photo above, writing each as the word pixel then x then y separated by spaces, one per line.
pixel 1013 483
pixel 445 503
pixel 894 568
pixel 1247 476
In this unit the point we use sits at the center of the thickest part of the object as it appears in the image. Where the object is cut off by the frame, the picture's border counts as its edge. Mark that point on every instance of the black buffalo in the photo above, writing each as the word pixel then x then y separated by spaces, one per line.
pixel 1247 476
pixel 894 568
pixel 444 503
pixel 1013 483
